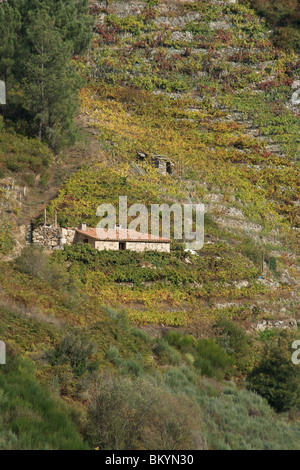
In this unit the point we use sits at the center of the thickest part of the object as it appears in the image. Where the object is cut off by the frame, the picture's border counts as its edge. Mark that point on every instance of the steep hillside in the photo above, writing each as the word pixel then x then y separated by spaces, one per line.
pixel 201 83
pixel 181 335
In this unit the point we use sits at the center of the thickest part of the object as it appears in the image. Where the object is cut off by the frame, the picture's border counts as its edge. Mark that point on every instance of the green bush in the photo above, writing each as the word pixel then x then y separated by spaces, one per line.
pixel 35 262
pixel 181 341
pixel 212 360
pixel 284 17
pixel 74 349
pixel 166 353
pixel 236 342
pixel 141 335
pixel 275 377
pixel 7 241
pixel 153 3
pixel 252 251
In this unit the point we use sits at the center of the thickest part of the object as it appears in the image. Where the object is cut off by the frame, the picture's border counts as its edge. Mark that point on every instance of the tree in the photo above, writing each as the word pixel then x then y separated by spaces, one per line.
pixel 38 40
pixel 70 17
pixel 50 84
pixel 10 23
pixel 275 377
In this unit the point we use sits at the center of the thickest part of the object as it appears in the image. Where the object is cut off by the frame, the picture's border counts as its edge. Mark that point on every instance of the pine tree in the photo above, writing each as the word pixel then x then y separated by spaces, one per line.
pixel 38 40
pixel 10 24
pixel 50 84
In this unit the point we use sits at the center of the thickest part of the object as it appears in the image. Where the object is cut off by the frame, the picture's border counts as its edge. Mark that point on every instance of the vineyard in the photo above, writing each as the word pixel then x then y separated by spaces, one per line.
pixel 196 338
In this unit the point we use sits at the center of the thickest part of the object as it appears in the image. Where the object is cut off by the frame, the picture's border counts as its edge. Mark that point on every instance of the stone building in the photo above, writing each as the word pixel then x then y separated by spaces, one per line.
pixel 54 238
pixel 121 239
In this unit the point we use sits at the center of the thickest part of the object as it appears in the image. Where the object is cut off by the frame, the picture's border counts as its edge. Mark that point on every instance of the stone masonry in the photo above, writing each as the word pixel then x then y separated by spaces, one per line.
pixel 53 238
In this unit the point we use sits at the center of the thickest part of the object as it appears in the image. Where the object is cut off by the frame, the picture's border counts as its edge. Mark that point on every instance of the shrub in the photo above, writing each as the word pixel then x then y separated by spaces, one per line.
pixel 275 377
pixel 74 349
pixel 212 360
pixel 180 340
pixel 113 355
pixel 132 366
pixel 252 251
pixel 35 262
pixel 284 17
pixel 273 263
pixel 32 261
pixel 141 335
pixel 153 3
pixel 166 353
pixel 189 359
pixel 7 241
pixel 129 414
pixel 235 341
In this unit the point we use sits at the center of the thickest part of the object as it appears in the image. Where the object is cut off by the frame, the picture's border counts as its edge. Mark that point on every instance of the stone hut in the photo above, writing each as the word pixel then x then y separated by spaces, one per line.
pixel 52 237
pixel 121 239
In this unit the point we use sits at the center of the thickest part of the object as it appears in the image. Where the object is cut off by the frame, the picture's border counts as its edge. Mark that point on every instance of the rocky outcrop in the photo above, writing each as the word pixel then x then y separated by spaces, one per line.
pixel 279 324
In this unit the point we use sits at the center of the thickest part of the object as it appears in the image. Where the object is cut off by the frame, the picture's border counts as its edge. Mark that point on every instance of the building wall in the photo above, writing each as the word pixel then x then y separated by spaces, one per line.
pixel 56 238
pixel 47 237
pixel 146 246
pixel 106 245
pixel 80 238
pixel 132 246
pixel 52 238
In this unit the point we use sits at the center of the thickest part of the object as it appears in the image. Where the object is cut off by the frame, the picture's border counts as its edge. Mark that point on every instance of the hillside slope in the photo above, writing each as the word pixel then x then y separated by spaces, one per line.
pixel 201 83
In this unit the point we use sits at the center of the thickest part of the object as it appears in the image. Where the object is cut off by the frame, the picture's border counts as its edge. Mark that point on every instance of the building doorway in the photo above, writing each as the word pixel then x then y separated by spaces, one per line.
pixel 122 246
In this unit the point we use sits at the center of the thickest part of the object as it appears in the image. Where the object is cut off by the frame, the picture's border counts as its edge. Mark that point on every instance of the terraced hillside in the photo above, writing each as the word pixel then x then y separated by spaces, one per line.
pixel 201 83
pixel 181 335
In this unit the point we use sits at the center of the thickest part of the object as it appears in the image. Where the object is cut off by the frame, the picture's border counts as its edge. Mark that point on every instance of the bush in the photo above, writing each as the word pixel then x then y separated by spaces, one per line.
pixel 275 377
pixel 166 353
pixel 141 335
pixel 7 241
pixel 235 341
pixel 152 3
pixel 35 262
pixel 32 261
pixel 180 341
pixel 212 360
pixel 252 251
pixel 74 349
pixel 284 17
pixel 131 414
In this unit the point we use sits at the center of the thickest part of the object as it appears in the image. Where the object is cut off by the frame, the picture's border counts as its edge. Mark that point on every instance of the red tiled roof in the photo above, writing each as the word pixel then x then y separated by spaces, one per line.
pixel 120 234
